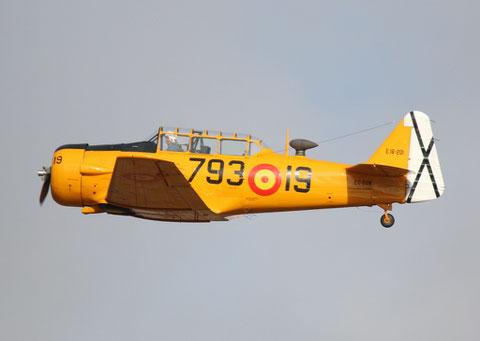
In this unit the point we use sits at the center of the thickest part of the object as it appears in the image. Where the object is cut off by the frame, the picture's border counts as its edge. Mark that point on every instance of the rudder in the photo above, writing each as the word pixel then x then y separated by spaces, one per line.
pixel 424 179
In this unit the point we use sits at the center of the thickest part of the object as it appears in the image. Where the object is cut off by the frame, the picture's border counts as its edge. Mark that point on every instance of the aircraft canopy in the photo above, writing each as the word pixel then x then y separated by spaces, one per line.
pixel 206 142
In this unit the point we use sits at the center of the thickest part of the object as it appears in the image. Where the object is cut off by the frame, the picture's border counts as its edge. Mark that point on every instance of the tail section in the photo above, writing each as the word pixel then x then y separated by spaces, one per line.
pixel 411 146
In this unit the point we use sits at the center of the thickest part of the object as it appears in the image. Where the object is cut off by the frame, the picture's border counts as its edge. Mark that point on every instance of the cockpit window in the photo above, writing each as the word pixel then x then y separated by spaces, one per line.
pixel 174 143
pixel 203 145
pixel 254 148
pixel 233 147
pixel 261 142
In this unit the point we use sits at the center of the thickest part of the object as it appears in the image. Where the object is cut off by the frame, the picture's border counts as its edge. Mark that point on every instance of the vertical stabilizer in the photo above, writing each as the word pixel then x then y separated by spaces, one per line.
pixel 394 151
pixel 411 146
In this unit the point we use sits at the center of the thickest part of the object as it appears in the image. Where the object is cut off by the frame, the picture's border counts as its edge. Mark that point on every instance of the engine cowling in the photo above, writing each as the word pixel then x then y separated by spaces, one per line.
pixel 66 180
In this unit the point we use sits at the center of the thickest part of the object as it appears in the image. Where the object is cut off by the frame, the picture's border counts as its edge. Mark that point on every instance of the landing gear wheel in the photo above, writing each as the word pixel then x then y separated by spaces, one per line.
pixel 387 220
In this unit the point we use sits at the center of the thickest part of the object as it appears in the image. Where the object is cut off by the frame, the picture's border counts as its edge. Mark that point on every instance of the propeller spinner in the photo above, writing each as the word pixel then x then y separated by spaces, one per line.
pixel 45 174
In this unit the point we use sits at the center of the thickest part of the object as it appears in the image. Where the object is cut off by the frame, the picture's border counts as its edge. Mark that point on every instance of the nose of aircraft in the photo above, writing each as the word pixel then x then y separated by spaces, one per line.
pixel 64 176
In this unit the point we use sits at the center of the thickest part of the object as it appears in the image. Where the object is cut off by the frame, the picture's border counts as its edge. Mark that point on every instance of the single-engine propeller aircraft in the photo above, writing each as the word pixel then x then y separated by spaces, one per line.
pixel 200 176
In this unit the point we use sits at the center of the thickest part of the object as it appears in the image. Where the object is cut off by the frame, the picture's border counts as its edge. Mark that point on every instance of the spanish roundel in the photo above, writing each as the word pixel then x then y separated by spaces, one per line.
pixel 264 179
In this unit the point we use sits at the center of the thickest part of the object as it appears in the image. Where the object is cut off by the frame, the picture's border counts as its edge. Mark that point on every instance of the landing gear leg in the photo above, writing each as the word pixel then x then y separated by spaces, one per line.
pixel 387 220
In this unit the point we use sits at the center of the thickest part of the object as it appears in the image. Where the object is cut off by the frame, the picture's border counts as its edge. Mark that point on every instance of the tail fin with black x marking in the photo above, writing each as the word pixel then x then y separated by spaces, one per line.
pixel 424 179
pixel 411 147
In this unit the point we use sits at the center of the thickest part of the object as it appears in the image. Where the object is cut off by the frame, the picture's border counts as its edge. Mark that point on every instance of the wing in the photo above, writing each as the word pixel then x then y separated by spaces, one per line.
pixel 155 189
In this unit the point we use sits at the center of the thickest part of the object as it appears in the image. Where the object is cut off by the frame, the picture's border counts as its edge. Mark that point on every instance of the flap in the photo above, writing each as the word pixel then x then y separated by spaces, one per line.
pixel 153 185
pixel 377 170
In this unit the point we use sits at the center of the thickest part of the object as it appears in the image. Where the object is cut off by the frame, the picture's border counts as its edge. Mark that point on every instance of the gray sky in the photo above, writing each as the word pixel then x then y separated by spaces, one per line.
pixel 111 71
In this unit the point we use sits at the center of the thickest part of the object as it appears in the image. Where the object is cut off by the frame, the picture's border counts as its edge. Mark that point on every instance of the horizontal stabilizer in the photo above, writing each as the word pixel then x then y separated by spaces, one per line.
pixel 377 170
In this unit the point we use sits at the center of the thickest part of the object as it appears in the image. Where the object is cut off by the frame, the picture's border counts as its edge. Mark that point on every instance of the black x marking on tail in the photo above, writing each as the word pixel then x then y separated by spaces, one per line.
pixel 425 162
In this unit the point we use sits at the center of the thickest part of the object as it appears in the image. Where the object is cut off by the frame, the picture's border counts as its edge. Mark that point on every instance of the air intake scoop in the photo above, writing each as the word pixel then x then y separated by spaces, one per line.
pixel 301 145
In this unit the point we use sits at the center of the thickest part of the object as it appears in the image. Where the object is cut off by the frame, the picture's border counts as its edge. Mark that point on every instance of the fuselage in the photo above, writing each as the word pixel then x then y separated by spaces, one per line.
pixel 227 184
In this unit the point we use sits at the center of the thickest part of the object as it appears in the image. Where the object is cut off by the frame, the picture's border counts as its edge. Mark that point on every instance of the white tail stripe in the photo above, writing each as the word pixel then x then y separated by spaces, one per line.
pixel 430 186
pixel 426 161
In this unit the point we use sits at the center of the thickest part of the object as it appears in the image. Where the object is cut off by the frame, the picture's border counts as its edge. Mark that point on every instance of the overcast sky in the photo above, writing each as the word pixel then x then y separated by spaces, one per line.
pixel 114 71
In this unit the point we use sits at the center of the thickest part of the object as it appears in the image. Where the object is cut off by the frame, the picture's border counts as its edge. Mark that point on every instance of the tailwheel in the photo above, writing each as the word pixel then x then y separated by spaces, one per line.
pixel 387 220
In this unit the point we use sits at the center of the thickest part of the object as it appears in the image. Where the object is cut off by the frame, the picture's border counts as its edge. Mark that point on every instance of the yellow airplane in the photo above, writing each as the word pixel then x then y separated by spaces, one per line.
pixel 200 176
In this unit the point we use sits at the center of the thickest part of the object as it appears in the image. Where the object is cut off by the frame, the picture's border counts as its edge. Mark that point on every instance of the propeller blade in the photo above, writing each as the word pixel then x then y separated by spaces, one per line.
pixel 46 175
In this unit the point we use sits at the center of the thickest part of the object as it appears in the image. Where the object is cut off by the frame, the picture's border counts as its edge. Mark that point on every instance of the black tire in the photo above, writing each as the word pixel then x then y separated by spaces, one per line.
pixel 390 223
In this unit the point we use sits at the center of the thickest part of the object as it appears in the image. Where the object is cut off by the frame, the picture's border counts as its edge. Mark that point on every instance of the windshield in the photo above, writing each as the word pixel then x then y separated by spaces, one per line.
pixel 153 137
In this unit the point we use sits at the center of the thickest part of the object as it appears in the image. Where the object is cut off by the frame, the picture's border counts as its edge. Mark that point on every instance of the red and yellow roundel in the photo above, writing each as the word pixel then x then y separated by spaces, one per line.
pixel 264 179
